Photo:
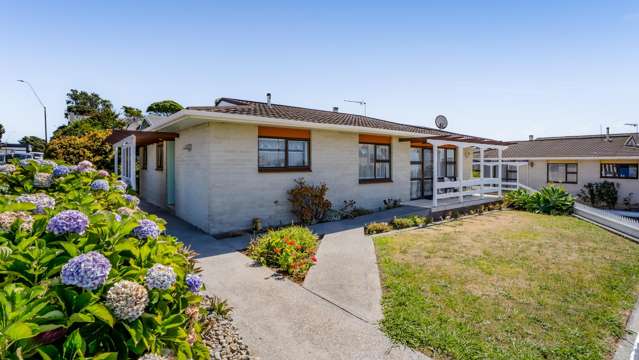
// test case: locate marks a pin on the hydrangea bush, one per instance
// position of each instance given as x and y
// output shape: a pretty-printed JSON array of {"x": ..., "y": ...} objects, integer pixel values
[{"x": 86, "y": 273}]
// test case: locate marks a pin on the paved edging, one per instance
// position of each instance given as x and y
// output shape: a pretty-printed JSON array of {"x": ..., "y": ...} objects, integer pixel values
[{"x": 627, "y": 347}]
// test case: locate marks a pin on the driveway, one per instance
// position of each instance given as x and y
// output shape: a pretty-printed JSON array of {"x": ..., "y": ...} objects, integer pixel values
[{"x": 278, "y": 319}]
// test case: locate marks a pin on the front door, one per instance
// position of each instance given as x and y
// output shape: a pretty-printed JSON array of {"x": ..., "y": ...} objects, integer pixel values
[{"x": 421, "y": 173}]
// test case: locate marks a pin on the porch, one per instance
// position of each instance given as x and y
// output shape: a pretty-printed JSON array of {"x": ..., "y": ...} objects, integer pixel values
[{"x": 452, "y": 171}]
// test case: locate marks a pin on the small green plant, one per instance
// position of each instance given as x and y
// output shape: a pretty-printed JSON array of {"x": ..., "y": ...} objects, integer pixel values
[
  {"x": 517, "y": 199},
  {"x": 256, "y": 225},
  {"x": 600, "y": 194},
  {"x": 392, "y": 203},
  {"x": 217, "y": 305},
  {"x": 409, "y": 221},
  {"x": 551, "y": 200},
  {"x": 290, "y": 249},
  {"x": 377, "y": 228},
  {"x": 308, "y": 202}
]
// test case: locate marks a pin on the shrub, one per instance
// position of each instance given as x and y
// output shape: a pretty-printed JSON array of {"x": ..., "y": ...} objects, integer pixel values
[
  {"x": 601, "y": 194},
  {"x": 377, "y": 228},
  {"x": 90, "y": 146},
  {"x": 517, "y": 199},
  {"x": 290, "y": 249},
  {"x": 551, "y": 200},
  {"x": 308, "y": 202},
  {"x": 392, "y": 203},
  {"x": 402, "y": 222},
  {"x": 72, "y": 281}
]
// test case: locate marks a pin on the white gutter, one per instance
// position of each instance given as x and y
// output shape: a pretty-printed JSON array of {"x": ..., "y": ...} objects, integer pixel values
[{"x": 261, "y": 120}]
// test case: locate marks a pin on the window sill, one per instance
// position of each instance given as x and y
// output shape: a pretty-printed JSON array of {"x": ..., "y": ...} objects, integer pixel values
[
  {"x": 618, "y": 178},
  {"x": 375, "y": 181},
  {"x": 284, "y": 169}
]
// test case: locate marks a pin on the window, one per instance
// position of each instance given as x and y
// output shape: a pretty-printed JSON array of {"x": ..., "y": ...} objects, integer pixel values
[
  {"x": 509, "y": 173},
  {"x": 159, "y": 156},
  {"x": 619, "y": 171},
  {"x": 143, "y": 157},
  {"x": 562, "y": 173},
  {"x": 446, "y": 160},
  {"x": 374, "y": 163},
  {"x": 283, "y": 154}
]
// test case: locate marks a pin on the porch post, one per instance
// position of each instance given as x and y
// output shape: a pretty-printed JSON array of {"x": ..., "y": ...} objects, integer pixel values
[
  {"x": 499, "y": 169},
  {"x": 481, "y": 172},
  {"x": 517, "y": 167},
  {"x": 116, "y": 151},
  {"x": 132, "y": 163},
  {"x": 435, "y": 165},
  {"x": 460, "y": 171}
]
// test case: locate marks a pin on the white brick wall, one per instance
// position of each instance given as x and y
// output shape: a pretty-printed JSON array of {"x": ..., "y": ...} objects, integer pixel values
[
  {"x": 238, "y": 192},
  {"x": 153, "y": 182}
]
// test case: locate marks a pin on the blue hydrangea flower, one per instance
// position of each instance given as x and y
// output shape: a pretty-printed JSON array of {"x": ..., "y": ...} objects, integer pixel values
[
  {"x": 61, "y": 170},
  {"x": 131, "y": 199},
  {"x": 42, "y": 201},
  {"x": 25, "y": 162},
  {"x": 68, "y": 221},
  {"x": 194, "y": 282},
  {"x": 100, "y": 185},
  {"x": 159, "y": 277},
  {"x": 145, "y": 229},
  {"x": 88, "y": 271}
]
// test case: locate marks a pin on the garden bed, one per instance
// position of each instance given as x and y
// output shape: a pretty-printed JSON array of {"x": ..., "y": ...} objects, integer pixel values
[{"x": 508, "y": 285}]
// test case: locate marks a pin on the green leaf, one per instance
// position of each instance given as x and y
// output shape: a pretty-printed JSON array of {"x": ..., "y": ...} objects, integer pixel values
[
  {"x": 80, "y": 318},
  {"x": 106, "y": 356},
  {"x": 74, "y": 345},
  {"x": 101, "y": 312},
  {"x": 52, "y": 315},
  {"x": 20, "y": 330},
  {"x": 71, "y": 249}
]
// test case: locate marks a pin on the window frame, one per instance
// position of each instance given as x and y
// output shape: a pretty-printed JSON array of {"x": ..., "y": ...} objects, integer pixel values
[
  {"x": 601, "y": 167},
  {"x": 286, "y": 167},
  {"x": 159, "y": 156},
  {"x": 446, "y": 163},
  {"x": 566, "y": 173},
  {"x": 375, "y": 179}
]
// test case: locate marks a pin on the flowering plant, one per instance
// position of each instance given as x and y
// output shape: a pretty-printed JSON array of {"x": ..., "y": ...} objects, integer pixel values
[
  {"x": 100, "y": 290},
  {"x": 290, "y": 249}
]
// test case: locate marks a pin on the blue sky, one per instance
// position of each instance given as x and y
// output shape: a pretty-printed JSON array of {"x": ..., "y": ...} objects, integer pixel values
[{"x": 500, "y": 69}]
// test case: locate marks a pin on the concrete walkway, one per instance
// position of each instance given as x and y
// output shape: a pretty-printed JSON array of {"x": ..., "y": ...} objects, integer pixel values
[{"x": 279, "y": 319}]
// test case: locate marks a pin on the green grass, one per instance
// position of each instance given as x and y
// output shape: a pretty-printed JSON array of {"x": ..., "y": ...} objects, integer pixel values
[{"x": 508, "y": 285}]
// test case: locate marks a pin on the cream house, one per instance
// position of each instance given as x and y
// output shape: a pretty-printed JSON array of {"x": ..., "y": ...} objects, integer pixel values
[
  {"x": 218, "y": 167},
  {"x": 573, "y": 161}
]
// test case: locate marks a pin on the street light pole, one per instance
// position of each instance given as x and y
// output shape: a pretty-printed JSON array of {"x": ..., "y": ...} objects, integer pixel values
[{"x": 46, "y": 137}]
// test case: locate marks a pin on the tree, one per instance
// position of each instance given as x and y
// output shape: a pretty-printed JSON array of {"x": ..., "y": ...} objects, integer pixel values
[
  {"x": 86, "y": 104},
  {"x": 97, "y": 112},
  {"x": 1, "y": 131},
  {"x": 90, "y": 146},
  {"x": 164, "y": 108},
  {"x": 132, "y": 114},
  {"x": 37, "y": 144}
]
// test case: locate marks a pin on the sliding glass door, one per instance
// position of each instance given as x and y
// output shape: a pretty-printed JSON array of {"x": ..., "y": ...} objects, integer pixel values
[{"x": 421, "y": 173}]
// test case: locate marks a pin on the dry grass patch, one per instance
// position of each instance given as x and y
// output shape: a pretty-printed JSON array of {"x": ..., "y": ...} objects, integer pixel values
[{"x": 509, "y": 285}]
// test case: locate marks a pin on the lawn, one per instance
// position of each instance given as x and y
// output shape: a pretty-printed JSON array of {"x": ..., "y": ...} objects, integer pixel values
[{"x": 508, "y": 285}]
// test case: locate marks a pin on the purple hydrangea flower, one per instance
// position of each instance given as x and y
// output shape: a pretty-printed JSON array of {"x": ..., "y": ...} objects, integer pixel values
[
  {"x": 40, "y": 200},
  {"x": 159, "y": 277},
  {"x": 7, "y": 168},
  {"x": 100, "y": 185},
  {"x": 131, "y": 199},
  {"x": 103, "y": 173},
  {"x": 85, "y": 164},
  {"x": 146, "y": 228},
  {"x": 25, "y": 162},
  {"x": 42, "y": 180},
  {"x": 60, "y": 170},
  {"x": 194, "y": 282},
  {"x": 68, "y": 221},
  {"x": 121, "y": 185},
  {"x": 88, "y": 271}
]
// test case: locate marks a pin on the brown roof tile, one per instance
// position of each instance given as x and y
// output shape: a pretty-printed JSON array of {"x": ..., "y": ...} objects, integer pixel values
[
  {"x": 256, "y": 108},
  {"x": 573, "y": 147}
]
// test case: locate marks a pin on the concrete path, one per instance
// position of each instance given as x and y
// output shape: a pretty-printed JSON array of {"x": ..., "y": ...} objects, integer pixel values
[{"x": 279, "y": 319}]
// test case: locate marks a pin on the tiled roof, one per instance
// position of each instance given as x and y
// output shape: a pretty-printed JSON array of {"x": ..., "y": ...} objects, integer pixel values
[
  {"x": 573, "y": 147},
  {"x": 256, "y": 108}
]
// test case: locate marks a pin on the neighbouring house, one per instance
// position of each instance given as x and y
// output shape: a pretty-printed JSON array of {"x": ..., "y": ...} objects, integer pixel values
[
  {"x": 219, "y": 167},
  {"x": 573, "y": 161}
]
